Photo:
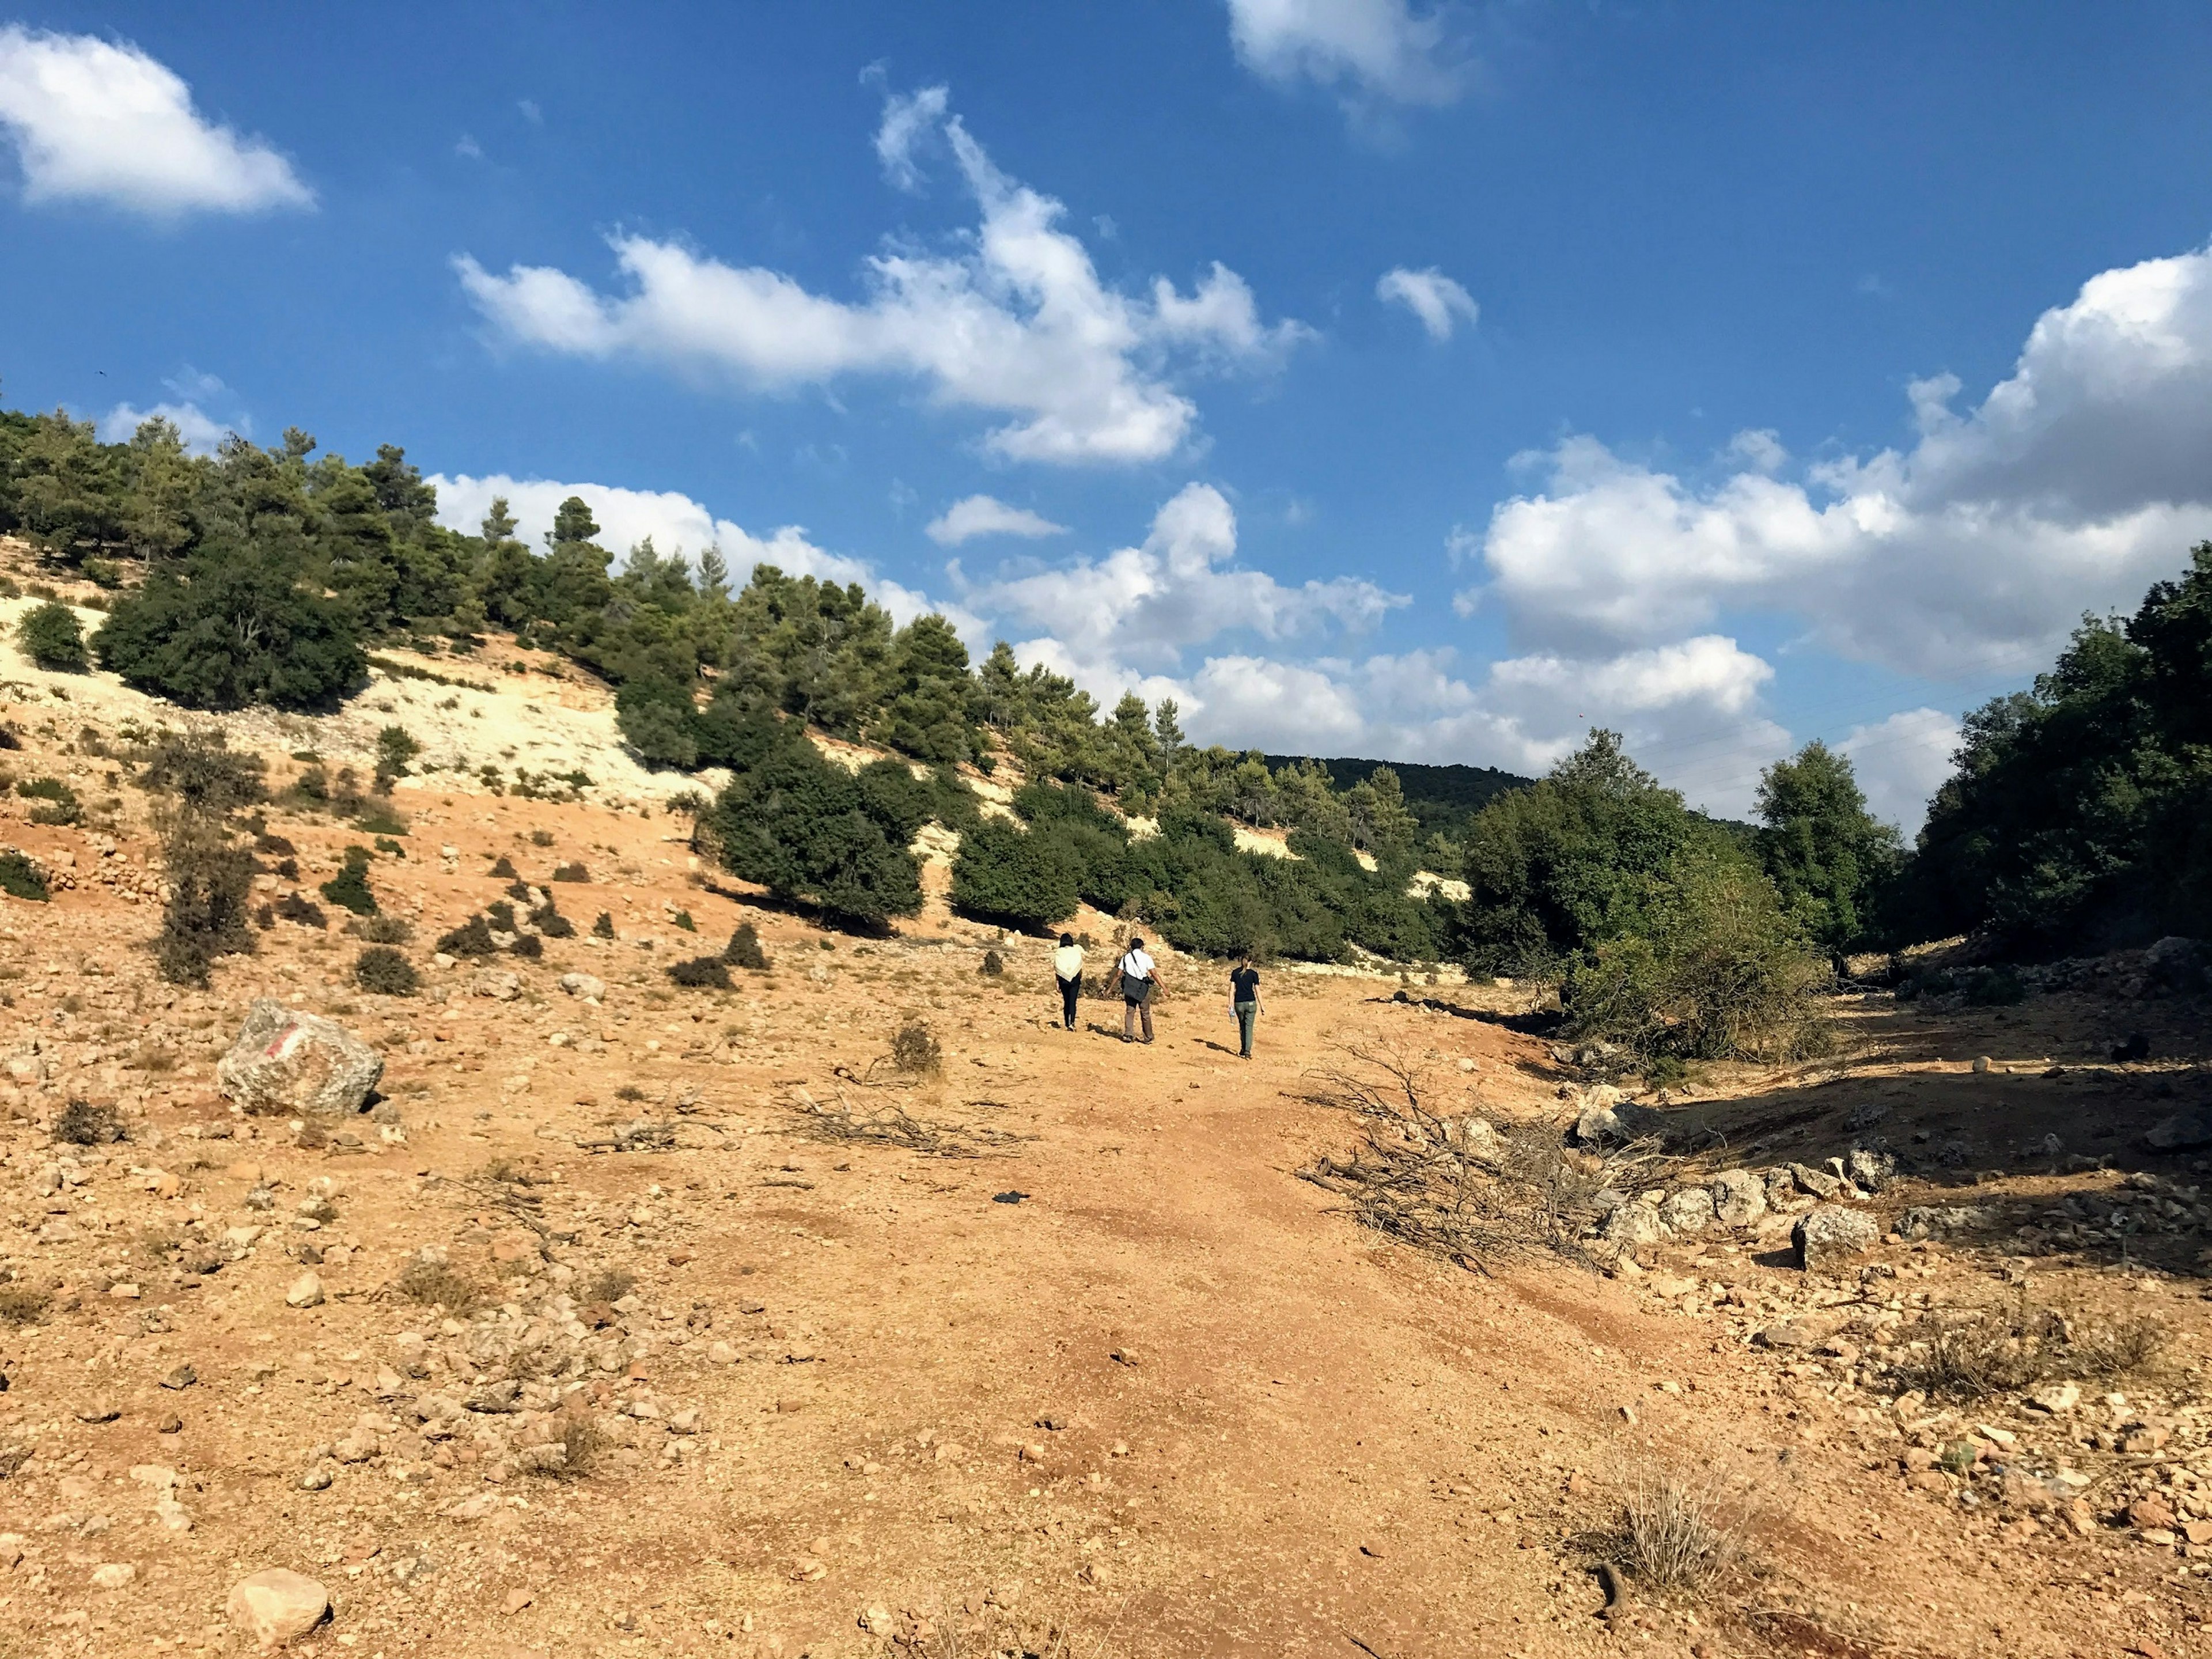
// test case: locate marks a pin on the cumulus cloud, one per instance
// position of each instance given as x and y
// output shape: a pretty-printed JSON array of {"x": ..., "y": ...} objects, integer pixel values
[
  {"x": 1431, "y": 295},
  {"x": 1901, "y": 761},
  {"x": 99, "y": 120},
  {"x": 986, "y": 515},
  {"x": 1016, "y": 322},
  {"x": 2077, "y": 480},
  {"x": 1141, "y": 606},
  {"x": 676, "y": 524},
  {"x": 1373, "y": 48},
  {"x": 200, "y": 432}
]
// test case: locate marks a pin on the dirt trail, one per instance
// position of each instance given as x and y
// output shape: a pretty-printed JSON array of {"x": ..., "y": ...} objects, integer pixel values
[{"x": 1171, "y": 1400}]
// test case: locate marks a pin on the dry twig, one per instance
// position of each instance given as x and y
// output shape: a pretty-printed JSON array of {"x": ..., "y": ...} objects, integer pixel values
[{"x": 892, "y": 1125}]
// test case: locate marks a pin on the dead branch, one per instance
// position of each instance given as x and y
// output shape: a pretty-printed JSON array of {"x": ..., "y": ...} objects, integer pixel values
[{"x": 892, "y": 1125}]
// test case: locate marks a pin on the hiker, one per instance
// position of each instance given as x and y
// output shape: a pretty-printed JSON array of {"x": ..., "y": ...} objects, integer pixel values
[
  {"x": 1244, "y": 1002},
  {"x": 1067, "y": 969},
  {"x": 1140, "y": 979}
]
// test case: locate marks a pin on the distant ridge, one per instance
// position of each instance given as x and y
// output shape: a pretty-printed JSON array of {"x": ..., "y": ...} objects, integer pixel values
[{"x": 1442, "y": 797}]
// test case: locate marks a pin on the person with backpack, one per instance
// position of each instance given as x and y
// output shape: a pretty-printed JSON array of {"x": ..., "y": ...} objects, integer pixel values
[
  {"x": 1067, "y": 969},
  {"x": 1244, "y": 1002},
  {"x": 1140, "y": 977}
]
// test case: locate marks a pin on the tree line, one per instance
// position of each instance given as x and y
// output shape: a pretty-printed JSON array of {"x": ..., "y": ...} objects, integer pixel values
[{"x": 2076, "y": 817}]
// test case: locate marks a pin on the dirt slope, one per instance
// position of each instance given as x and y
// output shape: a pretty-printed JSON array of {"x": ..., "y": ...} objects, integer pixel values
[{"x": 1167, "y": 1398}]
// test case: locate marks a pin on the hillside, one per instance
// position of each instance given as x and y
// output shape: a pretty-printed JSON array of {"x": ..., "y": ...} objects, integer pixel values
[{"x": 1443, "y": 797}]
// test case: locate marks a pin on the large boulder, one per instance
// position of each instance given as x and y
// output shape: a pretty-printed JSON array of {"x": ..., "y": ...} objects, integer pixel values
[
  {"x": 2175, "y": 962},
  {"x": 286, "y": 1063},
  {"x": 1871, "y": 1168},
  {"x": 1634, "y": 1222},
  {"x": 1828, "y": 1235},
  {"x": 1689, "y": 1211},
  {"x": 1739, "y": 1198},
  {"x": 2183, "y": 1132}
]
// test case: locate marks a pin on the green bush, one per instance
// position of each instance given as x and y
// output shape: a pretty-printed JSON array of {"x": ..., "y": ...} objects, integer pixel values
[
  {"x": 701, "y": 973},
  {"x": 58, "y": 803},
  {"x": 800, "y": 826},
  {"x": 349, "y": 889},
  {"x": 51, "y": 638},
  {"x": 207, "y": 912},
  {"x": 230, "y": 632},
  {"x": 743, "y": 949},
  {"x": 20, "y": 878},
  {"x": 1015, "y": 876},
  {"x": 382, "y": 970},
  {"x": 472, "y": 939},
  {"x": 571, "y": 873}
]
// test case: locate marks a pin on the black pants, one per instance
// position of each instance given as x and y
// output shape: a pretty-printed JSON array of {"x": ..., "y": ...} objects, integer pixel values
[{"x": 1069, "y": 990}]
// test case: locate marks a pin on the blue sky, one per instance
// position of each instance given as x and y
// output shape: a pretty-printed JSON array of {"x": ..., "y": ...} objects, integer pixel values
[{"x": 1516, "y": 367}]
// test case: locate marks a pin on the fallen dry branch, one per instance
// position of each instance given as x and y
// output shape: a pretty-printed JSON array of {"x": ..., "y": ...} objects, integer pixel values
[
  {"x": 1454, "y": 1184},
  {"x": 892, "y": 1125}
]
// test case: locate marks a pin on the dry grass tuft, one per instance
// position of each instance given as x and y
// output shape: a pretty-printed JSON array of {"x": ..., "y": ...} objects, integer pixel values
[
  {"x": 82, "y": 1123},
  {"x": 21, "y": 1305},
  {"x": 1679, "y": 1537},
  {"x": 915, "y": 1050},
  {"x": 1970, "y": 1354},
  {"x": 438, "y": 1284},
  {"x": 1455, "y": 1184}
]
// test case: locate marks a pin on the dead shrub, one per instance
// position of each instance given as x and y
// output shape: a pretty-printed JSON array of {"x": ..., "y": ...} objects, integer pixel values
[
  {"x": 1677, "y": 1537},
  {"x": 609, "y": 1284},
  {"x": 380, "y": 930},
  {"x": 82, "y": 1123},
  {"x": 582, "y": 1442},
  {"x": 1970, "y": 1354},
  {"x": 915, "y": 1050},
  {"x": 438, "y": 1284},
  {"x": 892, "y": 1126}
]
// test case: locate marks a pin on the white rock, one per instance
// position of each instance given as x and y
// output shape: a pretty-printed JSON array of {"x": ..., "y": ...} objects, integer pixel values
[
  {"x": 586, "y": 986},
  {"x": 2056, "y": 1398},
  {"x": 278, "y": 1605},
  {"x": 286, "y": 1062},
  {"x": 306, "y": 1292},
  {"x": 496, "y": 983},
  {"x": 114, "y": 1575},
  {"x": 1739, "y": 1198}
]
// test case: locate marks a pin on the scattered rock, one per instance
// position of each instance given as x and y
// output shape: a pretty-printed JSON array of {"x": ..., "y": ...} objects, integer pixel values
[
  {"x": 1828, "y": 1235},
  {"x": 305, "y": 1292},
  {"x": 286, "y": 1063},
  {"x": 278, "y": 1605},
  {"x": 1739, "y": 1198},
  {"x": 586, "y": 986},
  {"x": 114, "y": 1575},
  {"x": 1947, "y": 1220},
  {"x": 2151, "y": 1514},
  {"x": 2183, "y": 1132},
  {"x": 2056, "y": 1398},
  {"x": 182, "y": 1376},
  {"x": 1819, "y": 1182},
  {"x": 496, "y": 983},
  {"x": 1873, "y": 1169}
]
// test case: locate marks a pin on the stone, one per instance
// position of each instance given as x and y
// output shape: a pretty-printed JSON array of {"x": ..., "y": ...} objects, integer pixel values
[
  {"x": 290, "y": 1064},
  {"x": 875, "y": 1619},
  {"x": 182, "y": 1376},
  {"x": 2056, "y": 1398},
  {"x": 114, "y": 1575},
  {"x": 318, "y": 1479},
  {"x": 474, "y": 1507},
  {"x": 2151, "y": 1514},
  {"x": 1609, "y": 1118},
  {"x": 1806, "y": 1332},
  {"x": 2198, "y": 1532},
  {"x": 1739, "y": 1198},
  {"x": 1870, "y": 1168},
  {"x": 1480, "y": 1143},
  {"x": 2183, "y": 1132},
  {"x": 305, "y": 1292},
  {"x": 1632, "y": 1225},
  {"x": 497, "y": 983},
  {"x": 495, "y": 1397},
  {"x": 1827, "y": 1236},
  {"x": 278, "y": 1605},
  {"x": 1689, "y": 1211},
  {"x": 1947, "y": 1220},
  {"x": 2174, "y": 963},
  {"x": 1982, "y": 1064},
  {"x": 585, "y": 985},
  {"x": 1819, "y": 1182}
]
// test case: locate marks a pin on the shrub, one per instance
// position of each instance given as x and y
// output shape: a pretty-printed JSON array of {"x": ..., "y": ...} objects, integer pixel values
[
  {"x": 799, "y": 825},
  {"x": 571, "y": 873},
  {"x": 743, "y": 949},
  {"x": 382, "y": 970},
  {"x": 266, "y": 842},
  {"x": 1721, "y": 975},
  {"x": 395, "y": 747},
  {"x": 541, "y": 837},
  {"x": 51, "y": 638},
  {"x": 436, "y": 1283},
  {"x": 58, "y": 803},
  {"x": 527, "y": 944},
  {"x": 1020, "y": 877},
  {"x": 701, "y": 973},
  {"x": 683, "y": 918},
  {"x": 993, "y": 966},
  {"x": 503, "y": 867},
  {"x": 1677, "y": 1535},
  {"x": 82, "y": 1123},
  {"x": 604, "y": 925},
  {"x": 914, "y": 1048},
  {"x": 552, "y": 923},
  {"x": 20, "y": 878},
  {"x": 1976, "y": 1352},
  {"x": 230, "y": 630},
  {"x": 295, "y": 907},
  {"x": 1992, "y": 988},
  {"x": 211, "y": 887},
  {"x": 349, "y": 889},
  {"x": 472, "y": 939},
  {"x": 381, "y": 930},
  {"x": 21, "y": 1305}
]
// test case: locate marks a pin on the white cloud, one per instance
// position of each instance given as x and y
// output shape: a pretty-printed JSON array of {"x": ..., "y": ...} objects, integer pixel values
[
  {"x": 1372, "y": 48},
  {"x": 909, "y": 119},
  {"x": 1018, "y": 322},
  {"x": 1431, "y": 295},
  {"x": 97, "y": 120},
  {"x": 1901, "y": 761},
  {"x": 676, "y": 524},
  {"x": 1143, "y": 605},
  {"x": 199, "y": 432},
  {"x": 2078, "y": 480},
  {"x": 986, "y": 515}
]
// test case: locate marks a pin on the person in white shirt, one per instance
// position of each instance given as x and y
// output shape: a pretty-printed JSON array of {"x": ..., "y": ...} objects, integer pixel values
[
  {"x": 1140, "y": 977},
  {"x": 1067, "y": 969}
]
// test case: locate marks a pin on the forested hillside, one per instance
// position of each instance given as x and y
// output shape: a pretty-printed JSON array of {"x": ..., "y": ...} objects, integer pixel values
[{"x": 266, "y": 575}]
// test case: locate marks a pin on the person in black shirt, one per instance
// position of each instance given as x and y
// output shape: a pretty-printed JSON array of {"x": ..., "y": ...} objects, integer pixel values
[{"x": 1244, "y": 1002}]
